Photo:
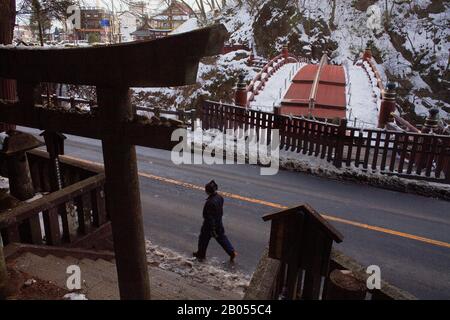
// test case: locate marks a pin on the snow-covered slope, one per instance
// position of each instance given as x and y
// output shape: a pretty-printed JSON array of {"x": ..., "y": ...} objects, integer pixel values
[
  {"x": 362, "y": 105},
  {"x": 216, "y": 80},
  {"x": 410, "y": 38}
]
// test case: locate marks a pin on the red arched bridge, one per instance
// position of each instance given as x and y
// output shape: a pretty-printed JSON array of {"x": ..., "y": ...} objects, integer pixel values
[{"x": 317, "y": 91}]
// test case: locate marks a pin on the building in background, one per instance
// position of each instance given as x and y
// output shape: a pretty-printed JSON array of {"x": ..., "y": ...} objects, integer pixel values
[
  {"x": 95, "y": 25},
  {"x": 128, "y": 22},
  {"x": 146, "y": 32},
  {"x": 23, "y": 33},
  {"x": 172, "y": 17}
]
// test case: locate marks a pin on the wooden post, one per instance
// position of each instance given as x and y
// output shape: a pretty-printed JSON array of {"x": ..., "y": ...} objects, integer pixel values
[
  {"x": 3, "y": 272},
  {"x": 340, "y": 143},
  {"x": 20, "y": 183},
  {"x": 251, "y": 58},
  {"x": 285, "y": 52},
  {"x": 343, "y": 285},
  {"x": 431, "y": 122},
  {"x": 7, "y": 22},
  {"x": 241, "y": 93},
  {"x": 367, "y": 56},
  {"x": 388, "y": 106},
  {"x": 15, "y": 146},
  {"x": 122, "y": 194},
  {"x": 193, "y": 118}
]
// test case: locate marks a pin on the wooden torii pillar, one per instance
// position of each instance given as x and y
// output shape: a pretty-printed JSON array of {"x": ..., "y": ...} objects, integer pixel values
[{"x": 171, "y": 61}]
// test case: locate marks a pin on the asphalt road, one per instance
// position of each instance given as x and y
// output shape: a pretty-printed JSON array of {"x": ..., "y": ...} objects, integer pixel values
[{"x": 408, "y": 236}]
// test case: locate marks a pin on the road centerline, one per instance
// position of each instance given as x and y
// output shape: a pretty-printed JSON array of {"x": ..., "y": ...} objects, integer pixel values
[{"x": 279, "y": 206}]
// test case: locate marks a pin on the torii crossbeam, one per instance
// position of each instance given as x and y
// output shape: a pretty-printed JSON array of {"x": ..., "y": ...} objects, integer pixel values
[{"x": 171, "y": 61}]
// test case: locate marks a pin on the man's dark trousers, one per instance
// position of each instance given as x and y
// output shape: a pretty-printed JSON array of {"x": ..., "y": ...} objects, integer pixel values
[{"x": 205, "y": 235}]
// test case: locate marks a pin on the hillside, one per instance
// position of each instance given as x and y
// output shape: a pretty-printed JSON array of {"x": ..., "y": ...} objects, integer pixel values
[
  {"x": 410, "y": 40},
  {"x": 410, "y": 44}
]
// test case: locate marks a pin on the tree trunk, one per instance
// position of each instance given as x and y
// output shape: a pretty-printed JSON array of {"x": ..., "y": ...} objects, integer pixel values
[
  {"x": 333, "y": 14},
  {"x": 7, "y": 23}
]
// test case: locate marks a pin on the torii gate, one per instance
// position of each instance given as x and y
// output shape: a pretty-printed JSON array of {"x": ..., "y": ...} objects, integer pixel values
[{"x": 171, "y": 61}]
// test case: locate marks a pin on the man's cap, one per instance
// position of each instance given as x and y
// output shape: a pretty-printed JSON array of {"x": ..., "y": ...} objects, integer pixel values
[{"x": 211, "y": 186}]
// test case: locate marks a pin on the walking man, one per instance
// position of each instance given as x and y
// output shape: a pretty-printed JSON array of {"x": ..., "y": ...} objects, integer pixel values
[{"x": 212, "y": 224}]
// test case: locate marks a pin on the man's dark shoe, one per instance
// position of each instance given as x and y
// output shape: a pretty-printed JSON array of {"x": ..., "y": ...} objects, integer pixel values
[
  {"x": 232, "y": 256},
  {"x": 199, "y": 258}
]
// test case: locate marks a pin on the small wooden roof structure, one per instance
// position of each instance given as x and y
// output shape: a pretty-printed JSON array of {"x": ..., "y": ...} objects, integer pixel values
[
  {"x": 302, "y": 239},
  {"x": 309, "y": 211},
  {"x": 295, "y": 231}
]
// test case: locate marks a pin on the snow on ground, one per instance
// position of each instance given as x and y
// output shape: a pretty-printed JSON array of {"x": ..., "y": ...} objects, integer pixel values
[
  {"x": 363, "y": 107},
  {"x": 4, "y": 183},
  {"x": 275, "y": 88},
  {"x": 299, "y": 162},
  {"x": 239, "y": 24},
  {"x": 212, "y": 272},
  {"x": 75, "y": 296}
]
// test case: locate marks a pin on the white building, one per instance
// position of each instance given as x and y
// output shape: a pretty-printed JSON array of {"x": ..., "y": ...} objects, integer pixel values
[
  {"x": 128, "y": 23},
  {"x": 23, "y": 33}
]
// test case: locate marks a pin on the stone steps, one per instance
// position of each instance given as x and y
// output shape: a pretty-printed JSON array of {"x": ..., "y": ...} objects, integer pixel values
[{"x": 99, "y": 279}]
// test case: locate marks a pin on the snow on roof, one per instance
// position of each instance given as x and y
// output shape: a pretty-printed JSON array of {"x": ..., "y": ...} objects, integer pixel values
[
  {"x": 145, "y": 32},
  {"x": 189, "y": 25}
]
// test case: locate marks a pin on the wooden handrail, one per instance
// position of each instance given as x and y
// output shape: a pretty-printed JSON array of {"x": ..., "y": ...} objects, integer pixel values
[
  {"x": 405, "y": 123},
  {"x": 316, "y": 82},
  {"x": 27, "y": 209}
]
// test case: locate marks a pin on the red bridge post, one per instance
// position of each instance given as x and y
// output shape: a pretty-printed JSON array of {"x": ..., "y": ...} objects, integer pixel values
[
  {"x": 240, "y": 98},
  {"x": 251, "y": 58},
  {"x": 368, "y": 52},
  {"x": 387, "y": 105},
  {"x": 285, "y": 51}
]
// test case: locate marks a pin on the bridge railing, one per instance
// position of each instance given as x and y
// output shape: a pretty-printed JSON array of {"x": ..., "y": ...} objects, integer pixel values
[
  {"x": 423, "y": 156},
  {"x": 258, "y": 83},
  {"x": 372, "y": 67},
  {"x": 263, "y": 76},
  {"x": 316, "y": 82}
]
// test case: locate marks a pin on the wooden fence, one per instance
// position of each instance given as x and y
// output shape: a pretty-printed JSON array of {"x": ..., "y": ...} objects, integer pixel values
[
  {"x": 59, "y": 217},
  {"x": 423, "y": 156}
]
